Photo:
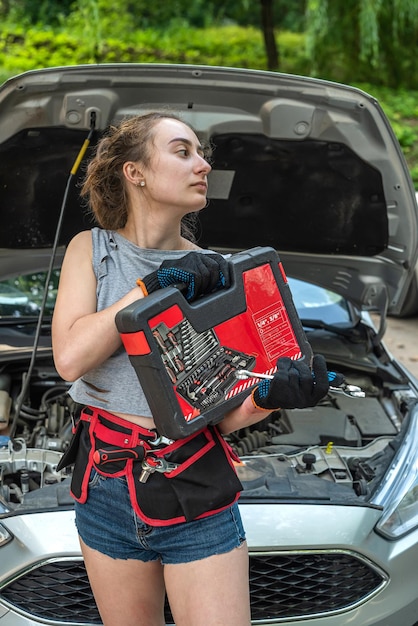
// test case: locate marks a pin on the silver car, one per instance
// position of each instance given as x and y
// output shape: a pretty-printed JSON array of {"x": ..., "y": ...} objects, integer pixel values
[{"x": 311, "y": 169}]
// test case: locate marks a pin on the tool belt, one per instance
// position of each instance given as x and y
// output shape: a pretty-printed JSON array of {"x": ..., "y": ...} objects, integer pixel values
[{"x": 169, "y": 481}]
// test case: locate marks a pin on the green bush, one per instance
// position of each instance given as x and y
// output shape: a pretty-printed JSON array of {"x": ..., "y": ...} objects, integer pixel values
[
  {"x": 231, "y": 46},
  {"x": 401, "y": 107}
]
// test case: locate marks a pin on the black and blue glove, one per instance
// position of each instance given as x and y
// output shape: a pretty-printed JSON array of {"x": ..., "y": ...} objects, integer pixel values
[
  {"x": 294, "y": 385},
  {"x": 201, "y": 273}
]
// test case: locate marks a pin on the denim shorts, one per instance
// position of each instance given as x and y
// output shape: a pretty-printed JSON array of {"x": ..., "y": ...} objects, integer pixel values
[{"x": 108, "y": 523}]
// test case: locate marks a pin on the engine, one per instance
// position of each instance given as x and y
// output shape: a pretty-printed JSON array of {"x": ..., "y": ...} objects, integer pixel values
[{"x": 336, "y": 450}]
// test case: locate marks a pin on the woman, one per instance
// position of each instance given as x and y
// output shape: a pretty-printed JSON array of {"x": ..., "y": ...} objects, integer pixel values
[{"x": 148, "y": 174}]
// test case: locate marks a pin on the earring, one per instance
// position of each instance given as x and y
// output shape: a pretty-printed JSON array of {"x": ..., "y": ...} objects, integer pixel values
[{"x": 140, "y": 183}]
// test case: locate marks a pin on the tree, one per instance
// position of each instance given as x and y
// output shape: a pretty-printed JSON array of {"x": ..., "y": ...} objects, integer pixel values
[
  {"x": 365, "y": 38},
  {"x": 267, "y": 24},
  {"x": 35, "y": 11}
]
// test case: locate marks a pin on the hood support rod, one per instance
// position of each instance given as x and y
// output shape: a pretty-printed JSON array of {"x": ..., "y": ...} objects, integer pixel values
[
  {"x": 382, "y": 310},
  {"x": 27, "y": 375}
]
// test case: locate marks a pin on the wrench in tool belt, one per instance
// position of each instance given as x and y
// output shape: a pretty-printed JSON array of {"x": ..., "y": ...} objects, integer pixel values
[{"x": 151, "y": 464}]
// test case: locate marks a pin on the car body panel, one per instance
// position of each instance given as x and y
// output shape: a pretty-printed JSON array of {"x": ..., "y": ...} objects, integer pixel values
[
  {"x": 270, "y": 529},
  {"x": 312, "y": 169}
]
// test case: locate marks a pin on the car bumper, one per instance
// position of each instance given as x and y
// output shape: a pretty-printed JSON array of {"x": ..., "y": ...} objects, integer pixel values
[{"x": 324, "y": 565}]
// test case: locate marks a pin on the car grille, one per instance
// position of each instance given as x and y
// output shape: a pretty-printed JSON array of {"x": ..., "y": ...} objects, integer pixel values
[{"x": 283, "y": 586}]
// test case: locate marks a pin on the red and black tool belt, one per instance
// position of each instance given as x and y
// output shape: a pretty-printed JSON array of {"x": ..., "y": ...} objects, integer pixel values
[{"x": 168, "y": 483}]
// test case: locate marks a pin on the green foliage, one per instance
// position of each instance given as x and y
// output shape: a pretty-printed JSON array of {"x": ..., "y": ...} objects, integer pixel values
[
  {"x": 31, "y": 12},
  {"x": 294, "y": 57},
  {"x": 401, "y": 107},
  {"x": 81, "y": 41},
  {"x": 289, "y": 14},
  {"x": 229, "y": 45},
  {"x": 21, "y": 52},
  {"x": 364, "y": 40}
]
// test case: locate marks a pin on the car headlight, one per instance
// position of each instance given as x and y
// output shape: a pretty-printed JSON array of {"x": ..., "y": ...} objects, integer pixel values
[
  {"x": 402, "y": 518},
  {"x": 399, "y": 496},
  {"x": 5, "y": 536}
]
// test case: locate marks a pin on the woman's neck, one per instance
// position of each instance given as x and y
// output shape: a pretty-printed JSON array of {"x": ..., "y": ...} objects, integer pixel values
[{"x": 156, "y": 241}]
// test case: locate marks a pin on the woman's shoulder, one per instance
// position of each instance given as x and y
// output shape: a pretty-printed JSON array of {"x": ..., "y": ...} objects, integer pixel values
[
  {"x": 191, "y": 246},
  {"x": 93, "y": 238},
  {"x": 81, "y": 240},
  {"x": 79, "y": 250}
]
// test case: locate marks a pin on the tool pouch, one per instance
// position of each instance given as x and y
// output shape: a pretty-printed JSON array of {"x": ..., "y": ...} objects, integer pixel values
[
  {"x": 101, "y": 431},
  {"x": 79, "y": 454},
  {"x": 92, "y": 432},
  {"x": 83, "y": 463},
  {"x": 204, "y": 482}
]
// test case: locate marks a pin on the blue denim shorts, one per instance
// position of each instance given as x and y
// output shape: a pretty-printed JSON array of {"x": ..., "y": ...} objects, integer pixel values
[{"x": 108, "y": 523}]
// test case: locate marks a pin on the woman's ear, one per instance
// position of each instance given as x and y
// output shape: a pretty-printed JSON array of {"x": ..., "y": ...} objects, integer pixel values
[{"x": 132, "y": 173}]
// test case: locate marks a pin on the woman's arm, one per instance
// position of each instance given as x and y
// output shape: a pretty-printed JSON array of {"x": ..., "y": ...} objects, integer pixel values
[
  {"x": 244, "y": 415},
  {"x": 82, "y": 338}
]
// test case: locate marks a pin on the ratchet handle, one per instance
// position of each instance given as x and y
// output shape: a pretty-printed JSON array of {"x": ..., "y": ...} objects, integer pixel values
[{"x": 335, "y": 379}]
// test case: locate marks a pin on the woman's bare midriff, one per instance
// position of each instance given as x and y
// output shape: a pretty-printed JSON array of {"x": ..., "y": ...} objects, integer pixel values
[{"x": 139, "y": 420}]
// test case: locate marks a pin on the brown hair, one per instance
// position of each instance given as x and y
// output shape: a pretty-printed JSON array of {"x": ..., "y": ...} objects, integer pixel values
[{"x": 104, "y": 184}]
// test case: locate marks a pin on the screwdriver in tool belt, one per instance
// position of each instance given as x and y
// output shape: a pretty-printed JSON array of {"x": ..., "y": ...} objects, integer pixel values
[
  {"x": 102, "y": 455},
  {"x": 348, "y": 390}
]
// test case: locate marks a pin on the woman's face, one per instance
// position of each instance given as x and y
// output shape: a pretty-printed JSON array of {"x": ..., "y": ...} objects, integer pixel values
[{"x": 177, "y": 173}]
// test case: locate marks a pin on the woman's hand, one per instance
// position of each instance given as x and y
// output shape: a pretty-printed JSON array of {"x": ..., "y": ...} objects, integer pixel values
[
  {"x": 201, "y": 273},
  {"x": 294, "y": 385}
]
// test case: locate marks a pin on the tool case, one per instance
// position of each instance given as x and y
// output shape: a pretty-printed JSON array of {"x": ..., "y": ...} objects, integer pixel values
[{"x": 186, "y": 355}]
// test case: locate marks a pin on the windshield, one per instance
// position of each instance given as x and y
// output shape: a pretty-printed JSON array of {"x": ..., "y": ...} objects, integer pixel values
[
  {"x": 315, "y": 303},
  {"x": 22, "y": 296}
]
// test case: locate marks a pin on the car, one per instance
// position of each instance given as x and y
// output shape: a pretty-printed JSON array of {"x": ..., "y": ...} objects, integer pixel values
[
  {"x": 311, "y": 170},
  {"x": 410, "y": 304},
  {"x": 15, "y": 302}
]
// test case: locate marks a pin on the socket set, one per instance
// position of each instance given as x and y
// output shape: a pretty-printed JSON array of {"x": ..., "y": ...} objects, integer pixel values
[
  {"x": 202, "y": 370},
  {"x": 187, "y": 355}
]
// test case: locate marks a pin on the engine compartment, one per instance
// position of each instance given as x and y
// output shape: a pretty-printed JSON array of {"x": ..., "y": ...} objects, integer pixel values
[{"x": 334, "y": 452}]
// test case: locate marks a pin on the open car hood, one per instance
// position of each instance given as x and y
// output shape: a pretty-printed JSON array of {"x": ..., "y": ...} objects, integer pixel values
[{"x": 308, "y": 167}]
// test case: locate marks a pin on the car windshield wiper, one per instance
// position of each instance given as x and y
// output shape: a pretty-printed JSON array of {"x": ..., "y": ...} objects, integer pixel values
[
  {"x": 344, "y": 331},
  {"x": 22, "y": 321}
]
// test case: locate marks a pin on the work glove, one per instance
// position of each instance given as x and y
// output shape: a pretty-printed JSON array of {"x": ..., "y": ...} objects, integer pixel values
[
  {"x": 295, "y": 385},
  {"x": 201, "y": 273}
]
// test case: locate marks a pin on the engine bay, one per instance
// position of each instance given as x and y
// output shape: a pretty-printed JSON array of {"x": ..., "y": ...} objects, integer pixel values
[{"x": 334, "y": 452}]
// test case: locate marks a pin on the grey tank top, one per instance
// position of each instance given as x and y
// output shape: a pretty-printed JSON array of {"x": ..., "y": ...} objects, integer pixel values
[{"x": 117, "y": 264}]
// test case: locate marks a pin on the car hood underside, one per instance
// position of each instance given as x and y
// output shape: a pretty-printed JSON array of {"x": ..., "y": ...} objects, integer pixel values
[{"x": 308, "y": 167}]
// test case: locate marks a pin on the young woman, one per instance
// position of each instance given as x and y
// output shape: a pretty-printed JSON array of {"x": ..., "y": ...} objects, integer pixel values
[{"x": 138, "y": 541}]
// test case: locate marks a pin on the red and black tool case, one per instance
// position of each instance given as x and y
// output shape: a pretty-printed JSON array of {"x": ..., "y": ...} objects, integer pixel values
[{"x": 186, "y": 355}]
